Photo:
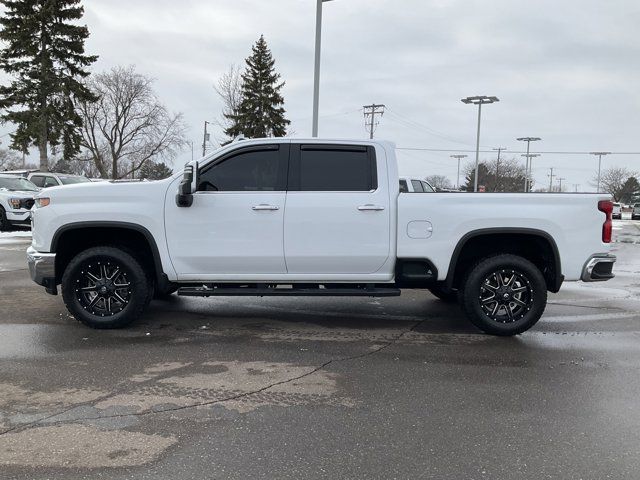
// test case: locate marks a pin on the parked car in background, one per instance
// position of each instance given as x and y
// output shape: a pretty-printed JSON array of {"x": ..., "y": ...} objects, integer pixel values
[
  {"x": 415, "y": 185},
  {"x": 635, "y": 213},
  {"x": 16, "y": 200},
  {"x": 50, "y": 179},
  {"x": 617, "y": 211}
]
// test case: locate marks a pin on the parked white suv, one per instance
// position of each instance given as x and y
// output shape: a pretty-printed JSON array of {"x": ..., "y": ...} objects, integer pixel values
[
  {"x": 16, "y": 200},
  {"x": 284, "y": 216}
]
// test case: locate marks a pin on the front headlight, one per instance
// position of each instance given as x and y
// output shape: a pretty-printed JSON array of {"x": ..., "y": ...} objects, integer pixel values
[
  {"x": 42, "y": 202},
  {"x": 15, "y": 203}
]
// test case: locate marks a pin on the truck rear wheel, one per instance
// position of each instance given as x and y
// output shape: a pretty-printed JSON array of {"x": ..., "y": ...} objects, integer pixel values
[
  {"x": 105, "y": 287},
  {"x": 504, "y": 295},
  {"x": 444, "y": 294}
]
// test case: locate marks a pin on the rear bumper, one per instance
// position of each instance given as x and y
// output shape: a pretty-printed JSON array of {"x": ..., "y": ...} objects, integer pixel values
[
  {"x": 42, "y": 268},
  {"x": 598, "y": 268}
]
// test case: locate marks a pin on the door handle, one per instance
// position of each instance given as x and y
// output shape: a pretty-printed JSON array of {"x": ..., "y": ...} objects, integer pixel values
[
  {"x": 370, "y": 206},
  {"x": 264, "y": 206}
]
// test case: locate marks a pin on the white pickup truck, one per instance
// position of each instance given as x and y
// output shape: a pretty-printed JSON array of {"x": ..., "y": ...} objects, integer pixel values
[{"x": 317, "y": 218}]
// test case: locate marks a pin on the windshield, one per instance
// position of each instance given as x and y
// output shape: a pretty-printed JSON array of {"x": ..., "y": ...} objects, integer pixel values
[
  {"x": 17, "y": 183},
  {"x": 70, "y": 180}
]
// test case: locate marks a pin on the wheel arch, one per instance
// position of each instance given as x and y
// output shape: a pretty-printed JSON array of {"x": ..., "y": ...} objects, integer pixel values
[
  {"x": 536, "y": 245},
  {"x": 72, "y": 238}
]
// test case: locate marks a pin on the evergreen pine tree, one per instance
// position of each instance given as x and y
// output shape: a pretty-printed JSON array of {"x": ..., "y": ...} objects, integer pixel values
[
  {"x": 261, "y": 112},
  {"x": 44, "y": 54}
]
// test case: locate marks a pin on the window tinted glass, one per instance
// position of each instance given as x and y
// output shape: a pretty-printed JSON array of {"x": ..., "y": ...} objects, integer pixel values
[
  {"x": 426, "y": 187},
  {"x": 329, "y": 169},
  {"x": 403, "y": 186},
  {"x": 417, "y": 186},
  {"x": 17, "y": 183},
  {"x": 254, "y": 170},
  {"x": 50, "y": 182},
  {"x": 38, "y": 180},
  {"x": 70, "y": 180}
]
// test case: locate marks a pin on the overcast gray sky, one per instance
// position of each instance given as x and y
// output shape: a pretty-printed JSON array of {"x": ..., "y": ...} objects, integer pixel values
[{"x": 565, "y": 70}]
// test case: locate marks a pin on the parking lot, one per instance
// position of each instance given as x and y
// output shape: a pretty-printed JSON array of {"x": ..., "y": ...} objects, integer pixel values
[{"x": 323, "y": 388}]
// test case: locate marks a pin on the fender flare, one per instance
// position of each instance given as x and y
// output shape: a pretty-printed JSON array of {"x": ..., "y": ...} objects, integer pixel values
[{"x": 556, "y": 281}]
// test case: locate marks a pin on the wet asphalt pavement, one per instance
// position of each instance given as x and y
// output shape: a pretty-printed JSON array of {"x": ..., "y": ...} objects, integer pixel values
[{"x": 236, "y": 388}]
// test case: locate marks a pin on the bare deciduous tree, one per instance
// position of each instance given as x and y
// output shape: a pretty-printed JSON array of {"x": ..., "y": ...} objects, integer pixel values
[
  {"x": 9, "y": 160},
  {"x": 612, "y": 180},
  {"x": 229, "y": 88},
  {"x": 439, "y": 182},
  {"x": 506, "y": 176},
  {"x": 128, "y": 125}
]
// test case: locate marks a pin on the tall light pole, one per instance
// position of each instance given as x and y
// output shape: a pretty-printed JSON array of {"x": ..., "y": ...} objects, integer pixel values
[
  {"x": 478, "y": 100},
  {"x": 459, "y": 157},
  {"x": 527, "y": 180},
  {"x": 600, "y": 155},
  {"x": 499, "y": 149},
  {"x": 316, "y": 71},
  {"x": 527, "y": 169}
]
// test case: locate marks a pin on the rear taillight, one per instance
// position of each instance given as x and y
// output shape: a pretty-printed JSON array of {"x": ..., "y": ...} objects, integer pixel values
[{"x": 606, "y": 206}]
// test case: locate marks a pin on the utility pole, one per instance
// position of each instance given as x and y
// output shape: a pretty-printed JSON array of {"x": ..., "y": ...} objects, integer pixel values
[
  {"x": 459, "y": 157},
  {"x": 560, "y": 179},
  {"x": 528, "y": 166},
  {"x": 575, "y": 187},
  {"x": 527, "y": 179},
  {"x": 599, "y": 155},
  {"x": 370, "y": 112},
  {"x": 205, "y": 139},
  {"x": 499, "y": 149},
  {"x": 551, "y": 175},
  {"x": 478, "y": 100}
]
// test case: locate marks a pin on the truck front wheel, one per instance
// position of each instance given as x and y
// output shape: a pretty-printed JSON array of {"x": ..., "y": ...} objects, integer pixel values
[
  {"x": 504, "y": 295},
  {"x": 105, "y": 287}
]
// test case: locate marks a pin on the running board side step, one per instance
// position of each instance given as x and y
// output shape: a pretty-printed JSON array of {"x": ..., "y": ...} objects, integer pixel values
[{"x": 204, "y": 291}]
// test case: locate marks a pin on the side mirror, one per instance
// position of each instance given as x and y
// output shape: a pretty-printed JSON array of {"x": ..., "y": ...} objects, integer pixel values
[{"x": 187, "y": 186}]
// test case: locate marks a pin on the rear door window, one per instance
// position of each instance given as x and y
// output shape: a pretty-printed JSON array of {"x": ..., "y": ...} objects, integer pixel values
[
  {"x": 417, "y": 186},
  {"x": 37, "y": 180},
  {"x": 426, "y": 187},
  {"x": 333, "y": 168}
]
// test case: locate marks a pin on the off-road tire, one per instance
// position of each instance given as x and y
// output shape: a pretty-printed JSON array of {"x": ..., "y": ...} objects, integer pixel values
[
  {"x": 76, "y": 280},
  {"x": 444, "y": 294},
  {"x": 4, "y": 223},
  {"x": 481, "y": 280}
]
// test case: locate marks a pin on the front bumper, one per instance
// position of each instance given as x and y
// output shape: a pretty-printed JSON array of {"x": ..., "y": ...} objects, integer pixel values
[
  {"x": 598, "y": 268},
  {"x": 42, "y": 268},
  {"x": 19, "y": 218}
]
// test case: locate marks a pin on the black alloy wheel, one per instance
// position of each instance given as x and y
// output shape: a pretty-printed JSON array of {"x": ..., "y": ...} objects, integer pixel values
[
  {"x": 103, "y": 287},
  {"x": 506, "y": 295}
]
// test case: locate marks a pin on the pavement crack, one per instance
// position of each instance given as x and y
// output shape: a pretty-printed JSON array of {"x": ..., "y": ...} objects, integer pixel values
[{"x": 177, "y": 408}]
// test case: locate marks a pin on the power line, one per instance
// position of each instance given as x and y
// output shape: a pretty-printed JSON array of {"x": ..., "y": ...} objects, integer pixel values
[
  {"x": 370, "y": 112},
  {"x": 448, "y": 150}
]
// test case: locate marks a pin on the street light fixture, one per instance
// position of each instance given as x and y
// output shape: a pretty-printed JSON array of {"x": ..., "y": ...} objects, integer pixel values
[
  {"x": 527, "y": 180},
  {"x": 316, "y": 72},
  {"x": 478, "y": 100},
  {"x": 600, "y": 155},
  {"x": 527, "y": 171},
  {"x": 459, "y": 157}
]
